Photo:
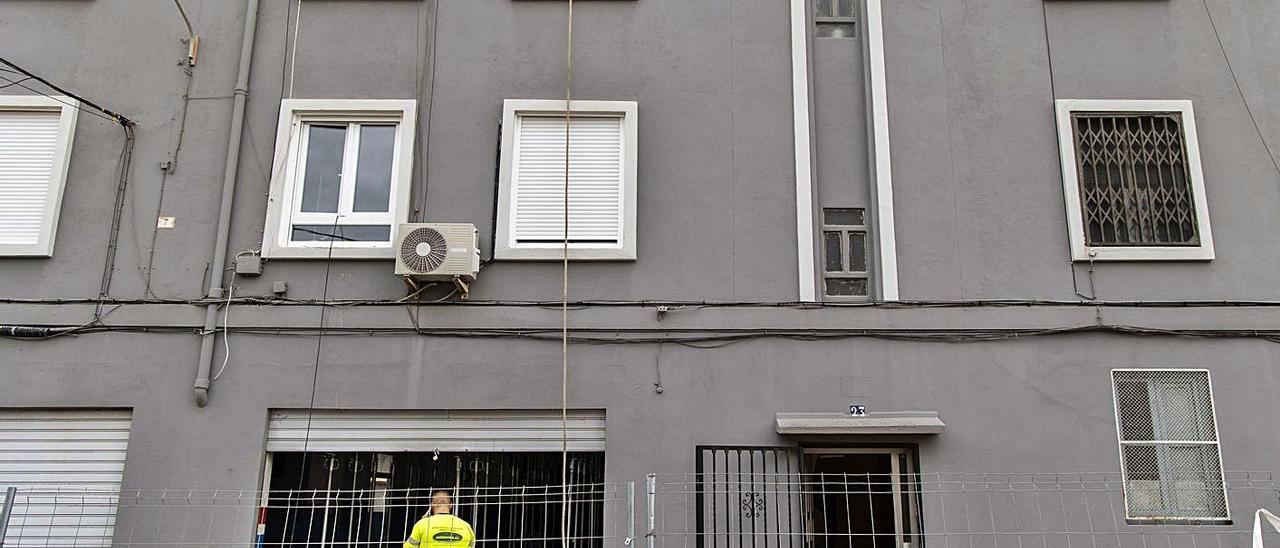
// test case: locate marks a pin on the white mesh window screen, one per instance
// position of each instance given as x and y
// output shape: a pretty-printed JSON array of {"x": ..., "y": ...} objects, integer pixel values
[{"x": 1169, "y": 445}]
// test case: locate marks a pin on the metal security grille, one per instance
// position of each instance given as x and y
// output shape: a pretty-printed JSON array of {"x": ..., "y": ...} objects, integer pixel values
[
  {"x": 747, "y": 495},
  {"x": 1169, "y": 445},
  {"x": 372, "y": 499},
  {"x": 1135, "y": 188}
]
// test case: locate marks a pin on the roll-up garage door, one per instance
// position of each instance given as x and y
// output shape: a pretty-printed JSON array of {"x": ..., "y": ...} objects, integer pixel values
[
  {"x": 414, "y": 430},
  {"x": 67, "y": 466}
]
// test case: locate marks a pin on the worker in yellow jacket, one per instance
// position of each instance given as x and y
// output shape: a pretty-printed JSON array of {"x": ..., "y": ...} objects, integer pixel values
[{"x": 440, "y": 528}]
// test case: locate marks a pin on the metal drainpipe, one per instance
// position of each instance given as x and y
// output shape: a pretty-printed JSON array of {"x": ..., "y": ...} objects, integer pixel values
[{"x": 218, "y": 265}]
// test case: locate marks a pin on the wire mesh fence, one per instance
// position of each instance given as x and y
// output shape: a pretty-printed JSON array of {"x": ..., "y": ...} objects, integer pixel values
[
  {"x": 732, "y": 508},
  {"x": 584, "y": 515},
  {"x": 727, "y": 508}
]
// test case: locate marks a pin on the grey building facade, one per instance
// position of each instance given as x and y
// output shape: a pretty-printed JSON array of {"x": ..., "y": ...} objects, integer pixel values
[{"x": 834, "y": 204}]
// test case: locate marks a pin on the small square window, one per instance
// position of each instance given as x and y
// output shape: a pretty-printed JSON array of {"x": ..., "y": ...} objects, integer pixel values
[
  {"x": 834, "y": 18},
  {"x": 845, "y": 270},
  {"x": 1169, "y": 450},
  {"x": 342, "y": 178},
  {"x": 1132, "y": 180},
  {"x": 601, "y": 163},
  {"x": 35, "y": 152}
]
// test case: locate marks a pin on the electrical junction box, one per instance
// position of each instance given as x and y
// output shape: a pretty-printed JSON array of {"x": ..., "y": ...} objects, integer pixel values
[{"x": 249, "y": 265}]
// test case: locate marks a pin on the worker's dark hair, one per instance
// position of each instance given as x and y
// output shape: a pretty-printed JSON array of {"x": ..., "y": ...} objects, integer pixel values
[{"x": 444, "y": 492}]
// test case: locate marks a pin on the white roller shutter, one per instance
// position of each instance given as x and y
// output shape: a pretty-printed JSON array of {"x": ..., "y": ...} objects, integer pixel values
[
  {"x": 390, "y": 431},
  {"x": 596, "y": 179},
  {"x": 67, "y": 466},
  {"x": 35, "y": 142}
]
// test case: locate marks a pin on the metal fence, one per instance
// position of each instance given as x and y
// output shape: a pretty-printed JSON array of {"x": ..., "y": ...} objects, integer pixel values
[
  {"x": 527, "y": 516},
  {"x": 732, "y": 508},
  {"x": 724, "y": 508}
]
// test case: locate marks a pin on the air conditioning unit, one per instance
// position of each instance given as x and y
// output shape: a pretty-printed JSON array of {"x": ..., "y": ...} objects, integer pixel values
[{"x": 437, "y": 252}]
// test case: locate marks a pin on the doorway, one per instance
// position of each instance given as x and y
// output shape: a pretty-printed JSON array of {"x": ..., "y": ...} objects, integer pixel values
[{"x": 856, "y": 498}]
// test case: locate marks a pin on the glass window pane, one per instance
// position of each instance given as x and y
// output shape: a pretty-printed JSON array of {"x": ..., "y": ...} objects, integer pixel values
[
  {"x": 837, "y": 216},
  {"x": 846, "y": 287},
  {"x": 858, "y": 251},
  {"x": 323, "y": 169},
  {"x": 844, "y": 8},
  {"x": 834, "y": 30},
  {"x": 823, "y": 8},
  {"x": 831, "y": 251},
  {"x": 373, "y": 170},
  {"x": 342, "y": 233}
]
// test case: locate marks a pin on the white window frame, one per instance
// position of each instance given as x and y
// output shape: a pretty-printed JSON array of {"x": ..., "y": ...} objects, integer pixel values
[
  {"x": 67, "y": 109},
  {"x": 1120, "y": 443},
  {"x": 505, "y": 245},
  {"x": 286, "y": 184},
  {"x": 1080, "y": 250}
]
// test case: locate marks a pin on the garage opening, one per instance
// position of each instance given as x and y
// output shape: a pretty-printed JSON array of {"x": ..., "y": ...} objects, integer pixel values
[
  {"x": 364, "y": 478},
  {"x": 370, "y": 499}
]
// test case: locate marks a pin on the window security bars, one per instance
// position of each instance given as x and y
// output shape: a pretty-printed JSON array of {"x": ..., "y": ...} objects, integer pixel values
[
  {"x": 834, "y": 18},
  {"x": 845, "y": 268},
  {"x": 1135, "y": 187},
  {"x": 1169, "y": 448}
]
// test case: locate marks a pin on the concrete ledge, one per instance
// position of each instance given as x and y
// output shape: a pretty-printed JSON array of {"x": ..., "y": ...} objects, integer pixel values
[{"x": 896, "y": 422}]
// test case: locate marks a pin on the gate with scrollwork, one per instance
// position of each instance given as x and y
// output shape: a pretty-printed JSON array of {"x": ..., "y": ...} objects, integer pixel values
[{"x": 749, "y": 497}]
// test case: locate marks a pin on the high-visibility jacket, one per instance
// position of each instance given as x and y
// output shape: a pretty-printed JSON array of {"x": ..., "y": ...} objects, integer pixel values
[{"x": 441, "y": 531}]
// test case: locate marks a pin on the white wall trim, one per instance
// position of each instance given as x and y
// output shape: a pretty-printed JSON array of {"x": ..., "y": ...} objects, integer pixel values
[
  {"x": 68, "y": 109},
  {"x": 1080, "y": 249},
  {"x": 881, "y": 168},
  {"x": 505, "y": 245},
  {"x": 276, "y": 242},
  {"x": 803, "y": 150}
]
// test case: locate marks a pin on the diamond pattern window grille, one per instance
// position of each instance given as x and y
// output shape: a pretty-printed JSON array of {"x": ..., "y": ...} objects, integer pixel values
[
  {"x": 1135, "y": 187},
  {"x": 1169, "y": 445}
]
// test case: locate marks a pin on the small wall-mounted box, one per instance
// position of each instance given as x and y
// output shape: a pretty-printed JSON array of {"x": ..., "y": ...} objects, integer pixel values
[{"x": 249, "y": 265}]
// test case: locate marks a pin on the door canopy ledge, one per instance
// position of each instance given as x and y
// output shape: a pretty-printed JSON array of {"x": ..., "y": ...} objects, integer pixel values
[{"x": 878, "y": 423}]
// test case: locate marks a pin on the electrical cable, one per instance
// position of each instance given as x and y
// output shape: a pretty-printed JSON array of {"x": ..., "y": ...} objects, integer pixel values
[
  {"x": 110, "y": 115},
  {"x": 293, "y": 49},
  {"x": 564, "y": 301},
  {"x": 315, "y": 371},
  {"x": 226, "y": 333},
  {"x": 1248, "y": 110}
]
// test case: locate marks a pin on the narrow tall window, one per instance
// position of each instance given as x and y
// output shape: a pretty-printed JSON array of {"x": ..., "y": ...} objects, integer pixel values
[
  {"x": 342, "y": 178},
  {"x": 1133, "y": 180},
  {"x": 35, "y": 152},
  {"x": 1169, "y": 446},
  {"x": 834, "y": 18},
  {"x": 845, "y": 268}
]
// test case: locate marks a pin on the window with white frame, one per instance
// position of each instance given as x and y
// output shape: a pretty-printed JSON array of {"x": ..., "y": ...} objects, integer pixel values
[
  {"x": 845, "y": 268},
  {"x": 834, "y": 18},
  {"x": 35, "y": 151},
  {"x": 340, "y": 182},
  {"x": 1132, "y": 180},
  {"x": 1169, "y": 449},
  {"x": 600, "y": 138}
]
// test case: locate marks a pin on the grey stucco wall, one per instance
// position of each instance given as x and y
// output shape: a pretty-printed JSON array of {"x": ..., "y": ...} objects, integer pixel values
[
  {"x": 977, "y": 186},
  {"x": 977, "y": 194}
]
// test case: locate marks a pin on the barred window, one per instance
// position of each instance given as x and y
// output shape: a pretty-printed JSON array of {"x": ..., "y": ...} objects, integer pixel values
[
  {"x": 1169, "y": 446},
  {"x": 1133, "y": 183},
  {"x": 844, "y": 253}
]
